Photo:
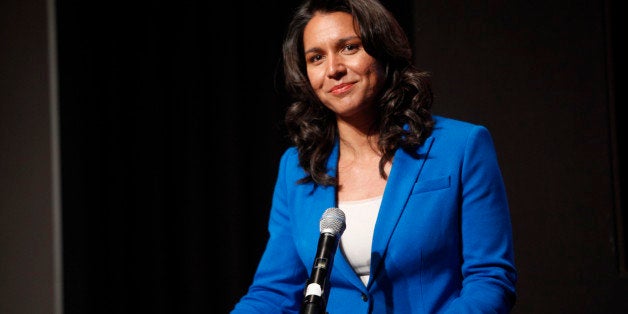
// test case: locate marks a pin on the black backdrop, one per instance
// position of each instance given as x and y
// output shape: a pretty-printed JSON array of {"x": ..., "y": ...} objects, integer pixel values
[{"x": 171, "y": 130}]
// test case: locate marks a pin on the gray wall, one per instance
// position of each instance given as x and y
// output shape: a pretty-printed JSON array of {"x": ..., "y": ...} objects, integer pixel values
[{"x": 29, "y": 211}]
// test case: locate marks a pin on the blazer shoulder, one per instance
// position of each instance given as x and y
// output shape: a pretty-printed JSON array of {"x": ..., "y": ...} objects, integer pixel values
[
  {"x": 450, "y": 127},
  {"x": 452, "y": 123},
  {"x": 452, "y": 135},
  {"x": 290, "y": 154},
  {"x": 289, "y": 164}
]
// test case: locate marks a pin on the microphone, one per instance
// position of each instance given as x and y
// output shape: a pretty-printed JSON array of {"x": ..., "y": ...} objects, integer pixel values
[{"x": 316, "y": 292}]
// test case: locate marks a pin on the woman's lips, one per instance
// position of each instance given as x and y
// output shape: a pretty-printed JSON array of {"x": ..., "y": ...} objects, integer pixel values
[{"x": 341, "y": 88}]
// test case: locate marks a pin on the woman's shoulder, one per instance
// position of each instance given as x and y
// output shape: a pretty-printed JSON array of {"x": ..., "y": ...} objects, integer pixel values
[
  {"x": 459, "y": 132},
  {"x": 290, "y": 153},
  {"x": 289, "y": 166},
  {"x": 290, "y": 158},
  {"x": 444, "y": 121},
  {"x": 443, "y": 124}
]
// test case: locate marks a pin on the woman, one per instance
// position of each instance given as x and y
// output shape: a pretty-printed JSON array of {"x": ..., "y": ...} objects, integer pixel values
[{"x": 427, "y": 220}]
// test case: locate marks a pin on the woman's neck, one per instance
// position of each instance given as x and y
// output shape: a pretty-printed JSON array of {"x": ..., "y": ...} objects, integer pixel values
[{"x": 358, "y": 138}]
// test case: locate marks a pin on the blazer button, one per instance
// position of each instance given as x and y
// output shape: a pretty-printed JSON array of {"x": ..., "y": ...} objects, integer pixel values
[{"x": 364, "y": 297}]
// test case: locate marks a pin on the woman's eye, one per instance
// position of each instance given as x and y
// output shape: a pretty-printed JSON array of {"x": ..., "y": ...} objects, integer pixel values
[
  {"x": 315, "y": 58},
  {"x": 351, "y": 48}
]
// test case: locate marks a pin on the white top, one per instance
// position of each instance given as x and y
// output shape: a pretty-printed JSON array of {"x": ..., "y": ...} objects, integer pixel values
[{"x": 356, "y": 240}]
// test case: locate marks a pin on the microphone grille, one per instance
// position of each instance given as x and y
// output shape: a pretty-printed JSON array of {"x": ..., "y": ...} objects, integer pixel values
[{"x": 333, "y": 221}]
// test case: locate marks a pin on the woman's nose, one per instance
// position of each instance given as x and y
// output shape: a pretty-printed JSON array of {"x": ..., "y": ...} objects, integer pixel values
[{"x": 335, "y": 67}]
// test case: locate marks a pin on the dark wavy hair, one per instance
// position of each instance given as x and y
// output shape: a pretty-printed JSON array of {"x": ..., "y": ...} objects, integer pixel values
[{"x": 404, "y": 108}]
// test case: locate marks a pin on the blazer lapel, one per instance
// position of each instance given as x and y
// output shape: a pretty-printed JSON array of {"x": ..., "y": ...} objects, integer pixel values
[
  {"x": 403, "y": 175},
  {"x": 327, "y": 195}
]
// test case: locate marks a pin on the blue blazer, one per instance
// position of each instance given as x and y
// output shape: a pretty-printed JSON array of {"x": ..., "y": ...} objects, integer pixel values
[{"x": 442, "y": 241}]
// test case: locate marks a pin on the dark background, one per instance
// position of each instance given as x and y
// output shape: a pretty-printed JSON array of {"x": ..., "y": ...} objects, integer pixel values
[
  {"x": 170, "y": 130},
  {"x": 168, "y": 121}
]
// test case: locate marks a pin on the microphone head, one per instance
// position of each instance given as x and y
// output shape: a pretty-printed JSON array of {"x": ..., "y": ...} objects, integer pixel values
[{"x": 333, "y": 221}]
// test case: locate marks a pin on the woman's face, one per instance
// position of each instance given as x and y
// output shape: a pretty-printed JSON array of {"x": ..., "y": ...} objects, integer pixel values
[{"x": 346, "y": 79}]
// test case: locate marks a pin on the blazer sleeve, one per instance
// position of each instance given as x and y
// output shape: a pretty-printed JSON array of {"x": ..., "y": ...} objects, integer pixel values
[
  {"x": 488, "y": 269},
  {"x": 280, "y": 276}
]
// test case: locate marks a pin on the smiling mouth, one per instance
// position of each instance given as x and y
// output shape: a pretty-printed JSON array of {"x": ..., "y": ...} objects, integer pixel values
[{"x": 341, "y": 88}]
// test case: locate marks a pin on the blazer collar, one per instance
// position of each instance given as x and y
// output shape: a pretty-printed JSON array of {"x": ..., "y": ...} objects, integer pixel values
[{"x": 404, "y": 172}]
